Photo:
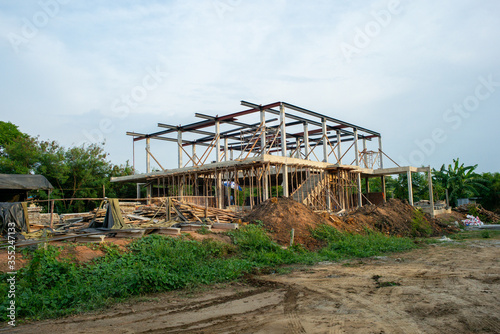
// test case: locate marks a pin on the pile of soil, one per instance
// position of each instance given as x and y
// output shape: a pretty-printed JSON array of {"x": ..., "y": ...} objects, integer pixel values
[
  {"x": 394, "y": 217},
  {"x": 280, "y": 215},
  {"x": 485, "y": 215}
]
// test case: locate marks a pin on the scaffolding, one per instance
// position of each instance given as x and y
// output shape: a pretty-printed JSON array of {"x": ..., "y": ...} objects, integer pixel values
[{"x": 299, "y": 154}]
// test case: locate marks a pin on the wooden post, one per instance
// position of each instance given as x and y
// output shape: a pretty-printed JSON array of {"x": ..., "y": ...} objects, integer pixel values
[
  {"x": 51, "y": 213},
  {"x": 169, "y": 208}
]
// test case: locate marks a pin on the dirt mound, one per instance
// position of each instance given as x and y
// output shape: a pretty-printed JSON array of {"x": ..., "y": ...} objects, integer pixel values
[
  {"x": 397, "y": 218},
  {"x": 280, "y": 215},
  {"x": 477, "y": 210},
  {"x": 394, "y": 218}
]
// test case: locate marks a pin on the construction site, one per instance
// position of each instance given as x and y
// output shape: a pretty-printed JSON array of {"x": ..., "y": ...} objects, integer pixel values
[{"x": 241, "y": 159}]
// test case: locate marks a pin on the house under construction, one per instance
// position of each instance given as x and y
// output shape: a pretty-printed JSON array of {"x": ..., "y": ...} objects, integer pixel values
[{"x": 241, "y": 159}]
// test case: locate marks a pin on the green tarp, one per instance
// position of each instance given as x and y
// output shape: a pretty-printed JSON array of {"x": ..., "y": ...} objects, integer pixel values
[
  {"x": 13, "y": 214},
  {"x": 113, "y": 219}
]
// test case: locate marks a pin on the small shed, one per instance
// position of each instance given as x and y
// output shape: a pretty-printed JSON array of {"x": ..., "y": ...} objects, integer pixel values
[{"x": 15, "y": 187}]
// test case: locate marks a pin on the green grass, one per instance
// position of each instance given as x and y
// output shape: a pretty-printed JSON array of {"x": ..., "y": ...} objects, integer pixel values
[
  {"x": 483, "y": 234},
  {"x": 52, "y": 287}
]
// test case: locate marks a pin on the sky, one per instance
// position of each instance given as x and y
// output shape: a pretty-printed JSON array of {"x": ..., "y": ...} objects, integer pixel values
[{"x": 425, "y": 74}]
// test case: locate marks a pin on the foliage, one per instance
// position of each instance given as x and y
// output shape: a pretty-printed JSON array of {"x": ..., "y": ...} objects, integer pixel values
[
  {"x": 490, "y": 198},
  {"x": 460, "y": 181},
  {"x": 345, "y": 245},
  {"x": 75, "y": 172},
  {"x": 420, "y": 227},
  {"x": 51, "y": 287}
]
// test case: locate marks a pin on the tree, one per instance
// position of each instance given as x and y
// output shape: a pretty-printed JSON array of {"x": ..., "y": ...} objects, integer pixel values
[
  {"x": 76, "y": 172},
  {"x": 490, "y": 199},
  {"x": 460, "y": 181},
  {"x": 19, "y": 153}
]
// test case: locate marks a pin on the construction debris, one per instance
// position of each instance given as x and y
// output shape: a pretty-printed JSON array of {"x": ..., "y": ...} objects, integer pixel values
[{"x": 166, "y": 216}]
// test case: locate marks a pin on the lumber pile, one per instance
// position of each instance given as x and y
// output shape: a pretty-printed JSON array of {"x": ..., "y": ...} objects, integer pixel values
[{"x": 478, "y": 210}]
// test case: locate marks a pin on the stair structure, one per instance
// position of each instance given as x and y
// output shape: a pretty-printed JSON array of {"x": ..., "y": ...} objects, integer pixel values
[{"x": 310, "y": 190}]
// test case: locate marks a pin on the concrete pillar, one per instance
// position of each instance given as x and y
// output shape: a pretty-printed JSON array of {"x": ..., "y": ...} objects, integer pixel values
[
  {"x": 283, "y": 150},
  {"x": 283, "y": 130},
  {"x": 380, "y": 151},
  {"x": 339, "y": 149},
  {"x": 263, "y": 131},
  {"x": 194, "y": 153},
  {"x": 306, "y": 140},
  {"x": 265, "y": 184},
  {"x": 148, "y": 161},
  {"x": 297, "y": 145},
  {"x": 231, "y": 154},
  {"x": 226, "y": 152},
  {"x": 431, "y": 195},
  {"x": 360, "y": 194},
  {"x": 356, "y": 150},
  {"x": 220, "y": 191},
  {"x": 410, "y": 188},
  {"x": 179, "y": 148},
  {"x": 217, "y": 143},
  {"x": 364, "y": 153},
  {"x": 325, "y": 141},
  {"x": 383, "y": 187}
]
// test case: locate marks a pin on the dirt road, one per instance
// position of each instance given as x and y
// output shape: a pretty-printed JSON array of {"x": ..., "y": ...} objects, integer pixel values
[{"x": 438, "y": 289}]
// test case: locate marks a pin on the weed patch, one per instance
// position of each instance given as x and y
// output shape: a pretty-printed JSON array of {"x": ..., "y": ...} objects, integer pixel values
[{"x": 50, "y": 286}]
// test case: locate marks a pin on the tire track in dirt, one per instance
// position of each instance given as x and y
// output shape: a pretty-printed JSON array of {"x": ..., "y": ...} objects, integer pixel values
[{"x": 290, "y": 310}]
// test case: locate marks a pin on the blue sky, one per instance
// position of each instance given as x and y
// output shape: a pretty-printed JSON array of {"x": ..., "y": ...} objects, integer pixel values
[{"x": 425, "y": 74}]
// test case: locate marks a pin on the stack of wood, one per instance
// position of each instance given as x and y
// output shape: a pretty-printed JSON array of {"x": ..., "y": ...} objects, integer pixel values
[
  {"x": 472, "y": 208},
  {"x": 193, "y": 212}
]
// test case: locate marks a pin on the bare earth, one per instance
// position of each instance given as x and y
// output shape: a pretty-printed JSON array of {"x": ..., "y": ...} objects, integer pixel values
[{"x": 453, "y": 288}]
